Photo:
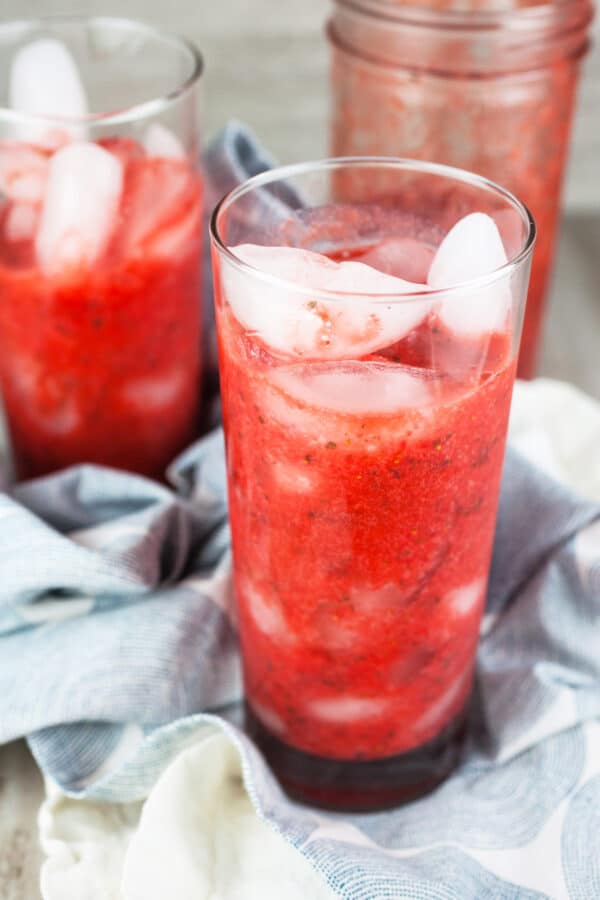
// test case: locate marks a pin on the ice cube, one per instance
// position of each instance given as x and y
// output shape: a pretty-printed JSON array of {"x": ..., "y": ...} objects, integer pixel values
[
  {"x": 267, "y": 614},
  {"x": 294, "y": 478},
  {"x": 463, "y": 601},
  {"x": 162, "y": 196},
  {"x": 342, "y": 710},
  {"x": 510, "y": 226},
  {"x": 284, "y": 409},
  {"x": 162, "y": 142},
  {"x": 378, "y": 601},
  {"x": 304, "y": 323},
  {"x": 44, "y": 81},
  {"x": 80, "y": 208},
  {"x": 403, "y": 257},
  {"x": 268, "y": 717},
  {"x": 23, "y": 172},
  {"x": 180, "y": 237},
  {"x": 21, "y": 222},
  {"x": 471, "y": 249},
  {"x": 440, "y": 709},
  {"x": 155, "y": 392},
  {"x": 359, "y": 388}
]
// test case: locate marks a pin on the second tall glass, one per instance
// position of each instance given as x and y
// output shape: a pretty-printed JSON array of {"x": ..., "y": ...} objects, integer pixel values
[
  {"x": 365, "y": 417},
  {"x": 100, "y": 244}
]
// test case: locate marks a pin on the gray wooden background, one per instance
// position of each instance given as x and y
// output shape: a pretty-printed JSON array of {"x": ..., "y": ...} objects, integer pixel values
[{"x": 266, "y": 63}]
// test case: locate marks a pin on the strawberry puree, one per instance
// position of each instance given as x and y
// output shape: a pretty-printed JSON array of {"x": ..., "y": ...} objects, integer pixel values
[
  {"x": 101, "y": 362},
  {"x": 363, "y": 497}
]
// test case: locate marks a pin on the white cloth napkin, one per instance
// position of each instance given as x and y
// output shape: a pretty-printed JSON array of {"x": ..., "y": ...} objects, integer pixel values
[{"x": 198, "y": 836}]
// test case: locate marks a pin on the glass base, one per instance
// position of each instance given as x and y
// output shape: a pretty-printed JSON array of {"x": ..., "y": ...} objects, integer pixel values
[{"x": 360, "y": 786}]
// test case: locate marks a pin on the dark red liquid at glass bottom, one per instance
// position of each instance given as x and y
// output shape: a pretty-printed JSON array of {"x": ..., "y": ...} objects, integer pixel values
[{"x": 365, "y": 786}]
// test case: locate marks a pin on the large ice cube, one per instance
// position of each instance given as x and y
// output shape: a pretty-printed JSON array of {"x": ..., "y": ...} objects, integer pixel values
[
  {"x": 162, "y": 201},
  {"x": 21, "y": 222},
  {"x": 178, "y": 238},
  {"x": 267, "y": 614},
  {"x": 359, "y": 388},
  {"x": 23, "y": 172},
  {"x": 294, "y": 478},
  {"x": 378, "y": 601},
  {"x": 510, "y": 226},
  {"x": 403, "y": 257},
  {"x": 461, "y": 602},
  {"x": 303, "y": 322},
  {"x": 44, "y": 81},
  {"x": 471, "y": 249},
  {"x": 80, "y": 206},
  {"x": 438, "y": 711},
  {"x": 156, "y": 392},
  {"x": 161, "y": 141},
  {"x": 268, "y": 717},
  {"x": 348, "y": 709}
]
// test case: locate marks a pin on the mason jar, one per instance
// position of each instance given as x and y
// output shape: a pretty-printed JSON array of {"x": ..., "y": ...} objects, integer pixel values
[{"x": 489, "y": 89}]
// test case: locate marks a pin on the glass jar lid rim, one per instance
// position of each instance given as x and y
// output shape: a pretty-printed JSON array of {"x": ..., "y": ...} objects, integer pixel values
[{"x": 537, "y": 16}]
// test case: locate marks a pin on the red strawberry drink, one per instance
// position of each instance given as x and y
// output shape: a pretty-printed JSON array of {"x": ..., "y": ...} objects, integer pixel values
[
  {"x": 100, "y": 263},
  {"x": 367, "y": 354}
]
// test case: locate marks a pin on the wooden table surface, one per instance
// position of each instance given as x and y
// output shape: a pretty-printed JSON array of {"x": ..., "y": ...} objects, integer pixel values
[
  {"x": 266, "y": 64},
  {"x": 21, "y": 792}
]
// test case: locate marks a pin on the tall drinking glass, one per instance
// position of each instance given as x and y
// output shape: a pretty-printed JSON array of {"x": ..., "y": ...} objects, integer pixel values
[
  {"x": 365, "y": 419},
  {"x": 100, "y": 243},
  {"x": 488, "y": 86}
]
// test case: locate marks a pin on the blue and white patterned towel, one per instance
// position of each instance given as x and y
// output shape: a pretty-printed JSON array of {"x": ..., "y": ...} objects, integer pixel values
[{"x": 117, "y": 646}]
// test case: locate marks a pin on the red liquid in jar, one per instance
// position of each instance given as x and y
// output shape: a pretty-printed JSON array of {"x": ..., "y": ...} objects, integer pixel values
[
  {"x": 362, "y": 536},
  {"x": 101, "y": 363},
  {"x": 512, "y": 126}
]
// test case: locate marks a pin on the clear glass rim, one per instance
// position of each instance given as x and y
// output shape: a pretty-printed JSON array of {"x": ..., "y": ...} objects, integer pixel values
[
  {"x": 381, "y": 162},
  {"x": 526, "y": 19},
  {"x": 138, "y": 111}
]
